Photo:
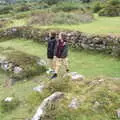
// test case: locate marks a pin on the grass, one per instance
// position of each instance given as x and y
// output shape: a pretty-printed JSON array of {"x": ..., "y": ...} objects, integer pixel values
[
  {"x": 92, "y": 65},
  {"x": 87, "y": 63},
  {"x": 101, "y": 25}
]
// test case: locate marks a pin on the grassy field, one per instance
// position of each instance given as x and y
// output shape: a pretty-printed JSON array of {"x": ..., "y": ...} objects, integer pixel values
[
  {"x": 92, "y": 65},
  {"x": 101, "y": 25},
  {"x": 87, "y": 63}
]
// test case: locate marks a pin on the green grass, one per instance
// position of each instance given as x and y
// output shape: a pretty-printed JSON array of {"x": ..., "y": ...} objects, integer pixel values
[
  {"x": 101, "y": 25},
  {"x": 90, "y": 64}
]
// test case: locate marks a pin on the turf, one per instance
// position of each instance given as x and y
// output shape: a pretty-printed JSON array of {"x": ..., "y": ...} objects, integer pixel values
[
  {"x": 92, "y": 65},
  {"x": 101, "y": 25},
  {"x": 88, "y": 63}
]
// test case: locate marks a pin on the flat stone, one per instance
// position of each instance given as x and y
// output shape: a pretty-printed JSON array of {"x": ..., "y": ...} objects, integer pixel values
[
  {"x": 41, "y": 111},
  {"x": 17, "y": 70},
  {"x": 118, "y": 113},
  {"x": 74, "y": 104},
  {"x": 8, "y": 99},
  {"x": 76, "y": 76},
  {"x": 39, "y": 88}
]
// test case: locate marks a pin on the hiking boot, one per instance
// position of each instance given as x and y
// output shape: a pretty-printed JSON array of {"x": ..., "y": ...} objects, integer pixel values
[
  {"x": 67, "y": 70},
  {"x": 54, "y": 76}
]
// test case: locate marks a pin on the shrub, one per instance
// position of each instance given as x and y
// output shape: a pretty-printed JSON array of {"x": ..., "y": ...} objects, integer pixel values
[
  {"x": 21, "y": 15},
  {"x": 46, "y": 18},
  {"x": 112, "y": 8},
  {"x": 110, "y": 11},
  {"x": 5, "y": 9},
  {"x": 23, "y": 8},
  {"x": 97, "y": 7},
  {"x": 72, "y": 18},
  {"x": 9, "y": 106},
  {"x": 66, "y": 7},
  {"x": 60, "y": 84},
  {"x": 50, "y": 2},
  {"x": 43, "y": 5},
  {"x": 28, "y": 64},
  {"x": 114, "y": 2},
  {"x": 42, "y": 18}
]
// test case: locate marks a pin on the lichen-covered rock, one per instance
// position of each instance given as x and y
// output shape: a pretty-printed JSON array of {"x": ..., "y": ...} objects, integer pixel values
[
  {"x": 118, "y": 113},
  {"x": 44, "y": 105},
  {"x": 74, "y": 104},
  {"x": 20, "y": 65},
  {"x": 39, "y": 88},
  {"x": 104, "y": 43},
  {"x": 75, "y": 76}
]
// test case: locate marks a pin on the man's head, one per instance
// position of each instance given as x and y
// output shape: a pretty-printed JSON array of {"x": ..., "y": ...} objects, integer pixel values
[
  {"x": 52, "y": 34},
  {"x": 62, "y": 36}
]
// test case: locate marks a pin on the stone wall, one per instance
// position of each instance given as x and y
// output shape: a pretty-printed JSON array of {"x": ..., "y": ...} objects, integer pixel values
[{"x": 104, "y": 43}]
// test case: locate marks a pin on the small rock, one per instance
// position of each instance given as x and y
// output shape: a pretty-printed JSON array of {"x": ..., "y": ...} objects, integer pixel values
[
  {"x": 75, "y": 76},
  {"x": 39, "y": 88},
  {"x": 74, "y": 104},
  {"x": 96, "y": 105},
  {"x": 42, "y": 62},
  {"x": 118, "y": 113},
  {"x": 8, "y": 99},
  {"x": 17, "y": 70}
]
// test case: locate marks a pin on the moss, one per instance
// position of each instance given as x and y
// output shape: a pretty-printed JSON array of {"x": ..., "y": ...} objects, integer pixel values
[
  {"x": 9, "y": 106},
  {"x": 25, "y": 61}
]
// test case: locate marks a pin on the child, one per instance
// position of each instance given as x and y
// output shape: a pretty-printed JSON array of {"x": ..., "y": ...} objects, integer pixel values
[
  {"x": 60, "y": 54},
  {"x": 50, "y": 50}
]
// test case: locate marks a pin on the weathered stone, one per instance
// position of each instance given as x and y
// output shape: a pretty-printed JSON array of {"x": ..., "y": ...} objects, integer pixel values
[
  {"x": 17, "y": 70},
  {"x": 75, "y": 76},
  {"x": 96, "y": 105},
  {"x": 118, "y": 113},
  {"x": 43, "y": 107},
  {"x": 75, "y": 39},
  {"x": 8, "y": 99},
  {"x": 39, "y": 88},
  {"x": 74, "y": 104}
]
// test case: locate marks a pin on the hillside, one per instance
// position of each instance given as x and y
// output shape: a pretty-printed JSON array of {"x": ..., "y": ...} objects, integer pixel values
[{"x": 90, "y": 90}]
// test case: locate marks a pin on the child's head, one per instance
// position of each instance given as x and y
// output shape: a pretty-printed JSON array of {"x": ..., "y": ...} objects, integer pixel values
[
  {"x": 52, "y": 34},
  {"x": 62, "y": 36}
]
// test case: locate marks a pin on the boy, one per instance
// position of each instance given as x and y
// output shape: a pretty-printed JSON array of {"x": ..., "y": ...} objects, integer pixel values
[
  {"x": 60, "y": 54},
  {"x": 50, "y": 50}
]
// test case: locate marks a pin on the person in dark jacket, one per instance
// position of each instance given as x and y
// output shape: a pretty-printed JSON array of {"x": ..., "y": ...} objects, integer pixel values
[
  {"x": 50, "y": 50},
  {"x": 60, "y": 54}
]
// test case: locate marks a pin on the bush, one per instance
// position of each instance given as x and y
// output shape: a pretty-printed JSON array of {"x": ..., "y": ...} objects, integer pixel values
[
  {"x": 112, "y": 8},
  {"x": 21, "y": 15},
  {"x": 66, "y": 7},
  {"x": 60, "y": 84},
  {"x": 23, "y": 8},
  {"x": 5, "y": 10},
  {"x": 9, "y": 106},
  {"x": 46, "y": 18},
  {"x": 72, "y": 18},
  {"x": 114, "y": 2},
  {"x": 97, "y": 7},
  {"x": 111, "y": 11}
]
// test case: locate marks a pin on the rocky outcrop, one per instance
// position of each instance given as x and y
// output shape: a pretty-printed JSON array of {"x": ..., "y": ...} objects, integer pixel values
[
  {"x": 44, "y": 105},
  {"x": 103, "y": 43},
  {"x": 19, "y": 65}
]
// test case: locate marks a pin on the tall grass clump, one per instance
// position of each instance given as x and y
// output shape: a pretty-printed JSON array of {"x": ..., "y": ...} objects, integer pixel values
[{"x": 49, "y": 18}]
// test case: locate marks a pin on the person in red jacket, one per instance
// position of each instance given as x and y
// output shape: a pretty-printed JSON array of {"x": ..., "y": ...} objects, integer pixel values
[{"x": 61, "y": 54}]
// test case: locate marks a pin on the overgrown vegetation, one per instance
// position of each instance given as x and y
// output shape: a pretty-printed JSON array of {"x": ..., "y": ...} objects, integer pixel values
[
  {"x": 98, "y": 95},
  {"x": 28, "y": 63},
  {"x": 6, "y": 106}
]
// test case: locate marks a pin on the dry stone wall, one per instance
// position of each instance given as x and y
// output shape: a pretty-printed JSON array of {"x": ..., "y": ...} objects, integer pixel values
[{"x": 104, "y": 43}]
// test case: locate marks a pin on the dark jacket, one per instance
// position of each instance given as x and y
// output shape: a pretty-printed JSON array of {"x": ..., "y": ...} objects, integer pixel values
[
  {"x": 51, "y": 47},
  {"x": 61, "y": 49}
]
